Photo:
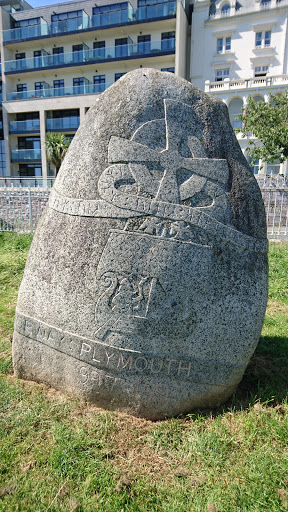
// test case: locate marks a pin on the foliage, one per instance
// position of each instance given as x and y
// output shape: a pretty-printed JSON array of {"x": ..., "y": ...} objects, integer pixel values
[
  {"x": 60, "y": 455},
  {"x": 56, "y": 148},
  {"x": 268, "y": 122}
]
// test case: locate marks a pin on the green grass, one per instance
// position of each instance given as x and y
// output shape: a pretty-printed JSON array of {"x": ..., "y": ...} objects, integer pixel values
[{"x": 57, "y": 454}]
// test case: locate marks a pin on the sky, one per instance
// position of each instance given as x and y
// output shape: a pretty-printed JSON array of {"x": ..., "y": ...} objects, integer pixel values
[{"x": 39, "y": 3}]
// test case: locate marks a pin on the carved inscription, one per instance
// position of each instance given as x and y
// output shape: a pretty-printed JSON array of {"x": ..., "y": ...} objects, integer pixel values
[{"x": 128, "y": 362}]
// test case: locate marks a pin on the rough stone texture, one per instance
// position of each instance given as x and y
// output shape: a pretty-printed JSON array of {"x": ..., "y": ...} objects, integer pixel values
[{"x": 146, "y": 285}]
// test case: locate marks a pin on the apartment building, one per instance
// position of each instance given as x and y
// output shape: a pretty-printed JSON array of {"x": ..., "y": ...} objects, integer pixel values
[
  {"x": 244, "y": 51},
  {"x": 57, "y": 59}
]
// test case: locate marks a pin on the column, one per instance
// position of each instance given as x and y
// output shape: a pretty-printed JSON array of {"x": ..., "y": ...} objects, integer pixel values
[{"x": 42, "y": 115}]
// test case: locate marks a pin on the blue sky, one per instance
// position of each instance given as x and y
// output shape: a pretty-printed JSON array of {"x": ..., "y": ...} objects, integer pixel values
[{"x": 39, "y": 3}]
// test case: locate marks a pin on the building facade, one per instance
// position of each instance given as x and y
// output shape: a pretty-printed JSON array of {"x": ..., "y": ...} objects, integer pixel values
[
  {"x": 57, "y": 59},
  {"x": 244, "y": 52}
]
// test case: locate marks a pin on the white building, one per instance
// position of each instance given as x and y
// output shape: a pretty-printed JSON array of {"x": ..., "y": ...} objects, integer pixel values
[{"x": 240, "y": 48}]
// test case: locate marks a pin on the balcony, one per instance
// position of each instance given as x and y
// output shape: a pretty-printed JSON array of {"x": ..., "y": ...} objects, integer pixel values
[
  {"x": 256, "y": 82},
  {"x": 30, "y": 32},
  {"x": 55, "y": 93},
  {"x": 1, "y": 98},
  {"x": 256, "y": 7},
  {"x": 28, "y": 126},
  {"x": 63, "y": 123},
  {"x": 123, "y": 52},
  {"x": 26, "y": 155},
  {"x": 99, "y": 21}
]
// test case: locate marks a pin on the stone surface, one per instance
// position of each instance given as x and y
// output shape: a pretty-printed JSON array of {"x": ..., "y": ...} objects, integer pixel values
[{"x": 146, "y": 284}]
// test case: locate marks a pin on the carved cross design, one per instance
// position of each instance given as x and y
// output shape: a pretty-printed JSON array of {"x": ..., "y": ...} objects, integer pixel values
[{"x": 128, "y": 151}]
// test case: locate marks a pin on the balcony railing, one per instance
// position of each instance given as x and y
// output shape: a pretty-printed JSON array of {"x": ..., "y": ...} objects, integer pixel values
[
  {"x": 55, "y": 93},
  {"x": 28, "y": 126},
  {"x": 256, "y": 7},
  {"x": 263, "y": 81},
  {"x": 26, "y": 155},
  {"x": 101, "y": 20},
  {"x": 137, "y": 50},
  {"x": 63, "y": 123}
]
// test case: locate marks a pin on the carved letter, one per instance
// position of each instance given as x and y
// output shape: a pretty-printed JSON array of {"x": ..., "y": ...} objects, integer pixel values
[
  {"x": 108, "y": 357},
  {"x": 156, "y": 371},
  {"x": 85, "y": 348},
  {"x": 188, "y": 368},
  {"x": 143, "y": 365},
  {"x": 128, "y": 362},
  {"x": 170, "y": 361}
]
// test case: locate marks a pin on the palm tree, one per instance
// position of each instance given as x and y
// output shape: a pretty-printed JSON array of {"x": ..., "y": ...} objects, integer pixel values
[{"x": 56, "y": 148}]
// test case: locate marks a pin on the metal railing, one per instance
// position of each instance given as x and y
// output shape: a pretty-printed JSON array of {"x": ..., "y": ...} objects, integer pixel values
[
  {"x": 130, "y": 50},
  {"x": 100, "y": 20},
  {"x": 21, "y": 206},
  {"x": 274, "y": 189}
]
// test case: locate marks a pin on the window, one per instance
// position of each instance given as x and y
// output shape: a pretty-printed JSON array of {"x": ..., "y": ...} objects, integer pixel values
[
  {"x": 58, "y": 87},
  {"x": 261, "y": 71},
  {"x": 263, "y": 39},
  {"x": 221, "y": 74},
  {"x": 235, "y": 109},
  {"x": 121, "y": 47},
  {"x": 66, "y": 16},
  {"x": 58, "y": 55},
  {"x": 27, "y": 116},
  {"x": 223, "y": 44},
  {"x": 21, "y": 87},
  {"x": 77, "y": 50},
  {"x": 110, "y": 14},
  {"x": 99, "y": 83},
  {"x": 26, "y": 23},
  {"x": 118, "y": 75},
  {"x": 39, "y": 86},
  {"x": 78, "y": 85},
  {"x": 20, "y": 58},
  {"x": 169, "y": 70},
  {"x": 29, "y": 143},
  {"x": 112, "y": 7},
  {"x": 99, "y": 50},
  {"x": 168, "y": 41},
  {"x": 144, "y": 44},
  {"x": 26, "y": 170},
  {"x": 37, "y": 58},
  {"x": 225, "y": 10}
]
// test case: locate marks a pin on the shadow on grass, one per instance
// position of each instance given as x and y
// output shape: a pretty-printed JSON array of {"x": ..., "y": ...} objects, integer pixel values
[{"x": 265, "y": 379}]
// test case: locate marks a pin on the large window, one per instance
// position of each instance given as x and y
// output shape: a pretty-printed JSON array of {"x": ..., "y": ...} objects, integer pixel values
[
  {"x": 58, "y": 55},
  {"x": 27, "y": 23},
  {"x": 58, "y": 87},
  {"x": 223, "y": 44},
  {"x": 169, "y": 70},
  {"x": 167, "y": 41},
  {"x": 29, "y": 143},
  {"x": 121, "y": 47},
  {"x": 21, "y": 61},
  {"x": 99, "y": 83},
  {"x": 99, "y": 50},
  {"x": 260, "y": 71},
  {"x": 221, "y": 74},
  {"x": 118, "y": 75},
  {"x": 26, "y": 170},
  {"x": 263, "y": 39},
  {"x": 66, "y": 16},
  {"x": 78, "y": 85},
  {"x": 144, "y": 44},
  {"x": 21, "y": 91},
  {"x": 111, "y": 14},
  {"x": 77, "y": 50}
]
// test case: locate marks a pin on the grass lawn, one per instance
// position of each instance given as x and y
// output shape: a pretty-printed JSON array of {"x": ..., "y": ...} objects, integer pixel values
[{"x": 58, "y": 454}]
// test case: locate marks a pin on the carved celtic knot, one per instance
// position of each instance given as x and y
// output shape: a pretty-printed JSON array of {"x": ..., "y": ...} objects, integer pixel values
[{"x": 131, "y": 159}]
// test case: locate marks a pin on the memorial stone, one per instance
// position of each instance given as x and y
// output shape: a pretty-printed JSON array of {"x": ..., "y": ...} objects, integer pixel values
[{"x": 146, "y": 284}]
